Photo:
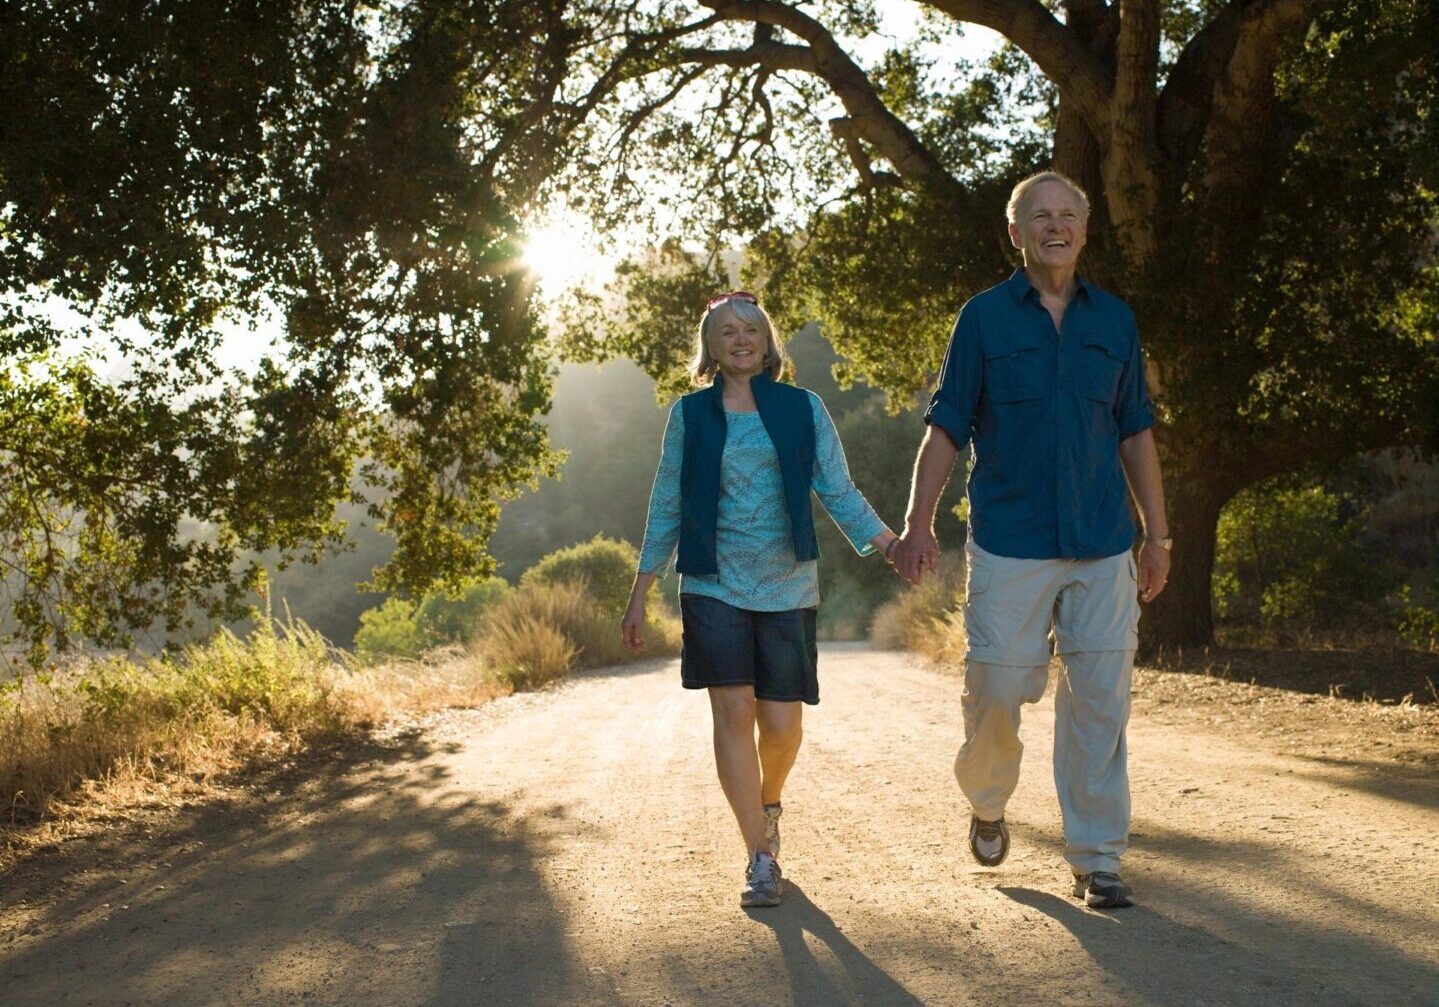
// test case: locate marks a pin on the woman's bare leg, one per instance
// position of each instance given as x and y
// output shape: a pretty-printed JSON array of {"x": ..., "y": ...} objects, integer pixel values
[
  {"x": 781, "y": 728},
  {"x": 737, "y": 759}
]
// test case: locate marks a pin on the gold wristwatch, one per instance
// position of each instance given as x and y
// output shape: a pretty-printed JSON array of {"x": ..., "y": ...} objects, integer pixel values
[{"x": 1165, "y": 543}]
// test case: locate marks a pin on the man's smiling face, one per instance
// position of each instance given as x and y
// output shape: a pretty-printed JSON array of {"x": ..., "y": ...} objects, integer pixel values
[{"x": 1050, "y": 230}]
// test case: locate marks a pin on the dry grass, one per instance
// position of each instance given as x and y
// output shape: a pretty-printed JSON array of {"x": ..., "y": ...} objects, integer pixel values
[
  {"x": 542, "y": 632},
  {"x": 104, "y": 733},
  {"x": 927, "y": 620}
]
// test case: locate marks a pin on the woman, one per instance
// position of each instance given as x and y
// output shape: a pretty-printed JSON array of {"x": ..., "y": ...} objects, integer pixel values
[{"x": 740, "y": 458}]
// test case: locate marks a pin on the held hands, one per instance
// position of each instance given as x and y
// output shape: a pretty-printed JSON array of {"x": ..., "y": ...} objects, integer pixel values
[
  {"x": 917, "y": 552},
  {"x": 1153, "y": 566}
]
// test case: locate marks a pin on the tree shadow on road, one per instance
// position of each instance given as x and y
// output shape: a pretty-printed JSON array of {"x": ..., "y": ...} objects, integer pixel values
[
  {"x": 1206, "y": 930},
  {"x": 370, "y": 883},
  {"x": 811, "y": 981},
  {"x": 1416, "y": 785}
]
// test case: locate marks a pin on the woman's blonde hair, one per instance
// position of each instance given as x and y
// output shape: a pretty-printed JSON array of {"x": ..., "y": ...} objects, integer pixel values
[{"x": 705, "y": 367}]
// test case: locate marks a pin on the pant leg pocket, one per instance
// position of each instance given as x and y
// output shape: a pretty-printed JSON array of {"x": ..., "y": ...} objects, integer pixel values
[
  {"x": 976, "y": 589},
  {"x": 1132, "y": 565}
]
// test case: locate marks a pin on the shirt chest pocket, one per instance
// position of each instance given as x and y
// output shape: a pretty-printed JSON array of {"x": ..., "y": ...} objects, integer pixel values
[
  {"x": 1100, "y": 368},
  {"x": 1018, "y": 372}
]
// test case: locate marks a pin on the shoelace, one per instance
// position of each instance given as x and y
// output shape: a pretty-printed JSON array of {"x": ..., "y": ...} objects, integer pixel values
[{"x": 762, "y": 870}]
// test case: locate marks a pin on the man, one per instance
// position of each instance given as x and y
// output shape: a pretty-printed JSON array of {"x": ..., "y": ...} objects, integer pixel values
[{"x": 1045, "y": 376}]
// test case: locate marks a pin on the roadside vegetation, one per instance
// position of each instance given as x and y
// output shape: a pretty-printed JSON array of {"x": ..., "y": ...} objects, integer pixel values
[{"x": 110, "y": 728}]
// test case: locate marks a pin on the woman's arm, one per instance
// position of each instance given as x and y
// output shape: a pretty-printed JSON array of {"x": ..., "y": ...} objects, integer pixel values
[
  {"x": 662, "y": 529},
  {"x": 662, "y": 525},
  {"x": 841, "y": 498}
]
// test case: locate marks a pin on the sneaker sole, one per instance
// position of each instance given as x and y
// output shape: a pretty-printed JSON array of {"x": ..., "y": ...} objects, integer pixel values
[
  {"x": 1105, "y": 902},
  {"x": 753, "y": 902},
  {"x": 1093, "y": 901}
]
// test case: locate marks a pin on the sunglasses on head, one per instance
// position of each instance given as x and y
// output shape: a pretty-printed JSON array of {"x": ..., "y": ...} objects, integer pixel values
[{"x": 733, "y": 295}]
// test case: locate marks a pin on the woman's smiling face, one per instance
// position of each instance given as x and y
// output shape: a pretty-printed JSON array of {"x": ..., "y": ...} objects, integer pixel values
[{"x": 738, "y": 346}]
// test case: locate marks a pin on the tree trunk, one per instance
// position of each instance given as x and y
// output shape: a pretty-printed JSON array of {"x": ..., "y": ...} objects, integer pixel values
[{"x": 1182, "y": 616}]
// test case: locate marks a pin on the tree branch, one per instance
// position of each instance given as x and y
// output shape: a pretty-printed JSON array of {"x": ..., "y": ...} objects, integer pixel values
[
  {"x": 842, "y": 128},
  {"x": 1188, "y": 94},
  {"x": 1076, "y": 71},
  {"x": 822, "y": 56},
  {"x": 1131, "y": 162},
  {"x": 1244, "y": 99}
]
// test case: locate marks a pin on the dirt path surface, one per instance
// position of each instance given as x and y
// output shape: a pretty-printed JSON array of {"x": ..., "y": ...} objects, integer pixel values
[{"x": 572, "y": 847}]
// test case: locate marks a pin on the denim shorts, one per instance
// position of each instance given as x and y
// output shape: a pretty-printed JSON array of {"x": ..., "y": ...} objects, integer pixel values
[{"x": 773, "y": 651}]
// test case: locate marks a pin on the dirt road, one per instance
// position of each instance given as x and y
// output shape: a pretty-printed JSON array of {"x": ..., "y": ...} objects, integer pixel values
[{"x": 572, "y": 847}]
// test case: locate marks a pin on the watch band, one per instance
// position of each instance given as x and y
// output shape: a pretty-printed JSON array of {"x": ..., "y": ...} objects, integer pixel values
[{"x": 1165, "y": 543}]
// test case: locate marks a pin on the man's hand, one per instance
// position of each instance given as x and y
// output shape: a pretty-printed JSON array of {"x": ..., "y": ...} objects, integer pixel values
[
  {"x": 917, "y": 552},
  {"x": 1153, "y": 570}
]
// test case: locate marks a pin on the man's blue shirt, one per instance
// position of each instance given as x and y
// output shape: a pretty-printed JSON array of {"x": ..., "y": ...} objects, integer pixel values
[{"x": 1046, "y": 411}]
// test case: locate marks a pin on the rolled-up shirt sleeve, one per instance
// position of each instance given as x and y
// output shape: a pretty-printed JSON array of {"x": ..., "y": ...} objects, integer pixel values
[
  {"x": 662, "y": 526},
  {"x": 956, "y": 401},
  {"x": 1133, "y": 409},
  {"x": 831, "y": 481}
]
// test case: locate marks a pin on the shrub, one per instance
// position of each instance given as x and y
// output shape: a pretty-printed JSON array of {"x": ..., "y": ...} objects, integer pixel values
[
  {"x": 459, "y": 619},
  {"x": 925, "y": 619},
  {"x": 391, "y": 630},
  {"x": 521, "y": 642},
  {"x": 606, "y": 565},
  {"x": 1290, "y": 553},
  {"x": 1418, "y": 624},
  {"x": 526, "y": 651},
  {"x": 195, "y": 713},
  {"x": 402, "y": 628}
]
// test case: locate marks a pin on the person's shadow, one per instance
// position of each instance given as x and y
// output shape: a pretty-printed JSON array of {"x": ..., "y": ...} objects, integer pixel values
[{"x": 812, "y": 981}]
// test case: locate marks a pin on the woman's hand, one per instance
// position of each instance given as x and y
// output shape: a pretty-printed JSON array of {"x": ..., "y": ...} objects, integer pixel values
[{"x": 632, "y": 626}]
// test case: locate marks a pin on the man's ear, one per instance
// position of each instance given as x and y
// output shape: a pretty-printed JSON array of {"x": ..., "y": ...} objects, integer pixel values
[{"x": 1014, "y": 236}]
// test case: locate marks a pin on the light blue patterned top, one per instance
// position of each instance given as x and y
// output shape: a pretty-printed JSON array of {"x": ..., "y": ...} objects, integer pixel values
[{"x": 757, "y": 566}]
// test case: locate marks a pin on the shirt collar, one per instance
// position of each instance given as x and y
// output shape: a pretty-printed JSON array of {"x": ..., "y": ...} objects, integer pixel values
[{"x": 1021, "y": 289}]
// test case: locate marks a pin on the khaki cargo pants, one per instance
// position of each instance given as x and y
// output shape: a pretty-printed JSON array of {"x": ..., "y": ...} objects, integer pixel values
[{"x": 1090, "y": 610}]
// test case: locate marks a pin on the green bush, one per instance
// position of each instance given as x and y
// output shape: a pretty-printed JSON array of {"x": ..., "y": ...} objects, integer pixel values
[
  {"x": 1289, "y": 553},
  {"x": 1418, "y": 624},
  {"x": 391, "y": 630},
  {"x": 403, "y": 628},
  {"x": 605, "y": 565},
  {"x": 459, "y": 620}
]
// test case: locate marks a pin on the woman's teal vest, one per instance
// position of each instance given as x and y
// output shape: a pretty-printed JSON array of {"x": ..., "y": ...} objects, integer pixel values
[{"x": 789, "y": 421}]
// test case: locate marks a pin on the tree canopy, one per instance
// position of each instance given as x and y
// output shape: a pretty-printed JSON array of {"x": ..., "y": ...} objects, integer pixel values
[
  {"x": 1263, "y": 175},
  {"x": 354, "y": 173}
]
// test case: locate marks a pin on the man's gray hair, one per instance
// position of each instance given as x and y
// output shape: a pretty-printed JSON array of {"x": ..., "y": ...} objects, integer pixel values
[{"x": 1016, "y": 197}]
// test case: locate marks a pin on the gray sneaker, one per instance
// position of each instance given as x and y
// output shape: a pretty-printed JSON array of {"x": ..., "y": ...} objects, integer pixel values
[
  {"x": 762, "y": 882},
  {"x": 988, "y": 841},
  {"x": 1103, "y": 890},
  {"x": 771, "y": 826}
]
